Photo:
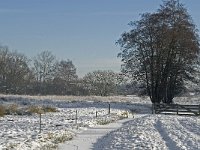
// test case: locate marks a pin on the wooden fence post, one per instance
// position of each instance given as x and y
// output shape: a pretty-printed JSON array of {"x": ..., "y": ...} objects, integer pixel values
[
  {"x": 109, "y": 108},
  {"x": 96, "y": 114},
  {"x": 199, "y": 109},
  {"x": 40, "y": 122},
  {"x": 177, "y": 108},
  {"x": 76, "y": 117}
]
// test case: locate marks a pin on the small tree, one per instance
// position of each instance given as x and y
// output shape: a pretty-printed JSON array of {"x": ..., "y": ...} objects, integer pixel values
[
  {"x": 14, "y": 71},
  {"x": 100, "y": 82},
  {"x": 161, "y": 50},
  {"x": 66, "y": 77},
  {"x": 66, "y": 71},
  {"x": 44, "y": 66},
  {"x": 44, "y": 70}
]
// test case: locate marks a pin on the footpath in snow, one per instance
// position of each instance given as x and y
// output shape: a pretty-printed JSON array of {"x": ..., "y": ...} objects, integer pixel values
[
  {"x": 86, "y": 139},
  {"x": 158, "y": 132}
]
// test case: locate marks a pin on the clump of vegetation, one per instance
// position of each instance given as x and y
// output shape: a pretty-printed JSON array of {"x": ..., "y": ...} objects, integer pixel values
[
  {"x": 12, "y": 109},
  {"x": 49, "y": 146},
  {"x": 62, "y": 138},
  {"x": 49, "y": 109},
  {"x": 41, "y": 110},
  {"x": 103, "y": 122},
  {"x": 124, "y": 115},
  {"x": 34, "y": 109},
  {"x": 54, "y": 139},
  {"x": 11, "y": 146},
  {"x": 48, "y": 141},
  {"x": 2, "y": 111}
]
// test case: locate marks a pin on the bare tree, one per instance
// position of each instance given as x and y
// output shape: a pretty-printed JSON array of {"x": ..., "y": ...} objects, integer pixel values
[
  {"x": 160, "y": 50},
  {"x": 66, "y": 71},
  {"x": 101, "y": 82},
  {"x": 44, "y": 66},
  {"x": 14, "y": 71},
  {"x": 66, "y": 77},
  {"x": 4, "y": 52}
]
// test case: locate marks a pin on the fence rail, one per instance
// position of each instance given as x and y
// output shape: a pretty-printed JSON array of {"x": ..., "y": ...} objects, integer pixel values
[{"x": 176, "y": 109}]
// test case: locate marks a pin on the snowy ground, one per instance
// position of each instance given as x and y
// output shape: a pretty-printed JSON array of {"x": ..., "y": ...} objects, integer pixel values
[
  {"x": 144, "y": 131},
  {"x": 87, "y": 138},
  {"x": 154, "y": 132},
  {"x": 23, "y": 131}
]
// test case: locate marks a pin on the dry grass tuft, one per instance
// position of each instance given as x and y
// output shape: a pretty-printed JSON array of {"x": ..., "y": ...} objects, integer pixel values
[
  {"x": 2, "y": 111},
  {"x": 41, "y": 110},
  {"x": 49, "y": 109}
]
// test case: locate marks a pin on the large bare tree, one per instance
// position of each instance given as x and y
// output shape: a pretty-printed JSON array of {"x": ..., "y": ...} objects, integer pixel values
[{"x": 160, "y": 50}]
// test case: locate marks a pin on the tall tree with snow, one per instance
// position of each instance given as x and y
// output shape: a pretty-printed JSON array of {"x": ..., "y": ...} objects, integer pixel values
[
  {"x": 161, "y": 50},
  {"x": 44, "y": 66},
  {"x": 101, "y": 83},
  {"x": 66, "y": 77},
  {"x": 44, "y": 70},
  {"x": 14, "y": 72}
]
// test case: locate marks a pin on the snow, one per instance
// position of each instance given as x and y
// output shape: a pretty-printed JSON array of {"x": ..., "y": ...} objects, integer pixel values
[
  {"x": 86, "y": 139},
  {"x": 61, "y": 130},
  {"x": 154, "y": 132},
  {"x": 23, "y": 131}
]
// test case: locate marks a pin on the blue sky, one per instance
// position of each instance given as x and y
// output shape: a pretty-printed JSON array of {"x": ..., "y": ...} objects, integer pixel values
[{"x": 84, "y": 31}]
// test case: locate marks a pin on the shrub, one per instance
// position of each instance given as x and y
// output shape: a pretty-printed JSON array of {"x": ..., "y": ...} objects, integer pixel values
[
  {"x": 54, "y": 139},
  {"x": 103, "y": 122},
  {"x": 39, "y": 110},
  {"x": 2, "y": 111},
  {"x": 35, "y": 109},
  {"x": 49, "y": 109},
  {"x": 12, "y": 109},
  {"x": 124, "y": 115}
]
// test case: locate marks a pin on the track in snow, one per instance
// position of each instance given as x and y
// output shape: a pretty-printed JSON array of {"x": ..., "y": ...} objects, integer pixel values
[{"x": 158, "y": 132}]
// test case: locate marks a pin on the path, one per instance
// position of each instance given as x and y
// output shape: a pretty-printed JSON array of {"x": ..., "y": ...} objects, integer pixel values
[{"x": 86, "y": 139}]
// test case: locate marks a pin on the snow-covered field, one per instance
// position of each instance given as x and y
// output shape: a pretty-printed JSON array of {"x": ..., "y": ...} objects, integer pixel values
[
  {"x": 154, "y": 132},
  {"x": 144, "y": 131}
]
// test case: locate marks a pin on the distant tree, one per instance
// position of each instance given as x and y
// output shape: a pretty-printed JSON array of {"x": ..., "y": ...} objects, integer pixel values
[
  {"x": 66, "y": 71},
  {"x": 44, "y": 66},
  {"x": 161, "y": 50},
  {"x": 18, "y": 73},
  {"x": 44, "y": 71},
  {"x": 4, "y": 55},
  {"x": 82, "y": 87},
  {"x": 14, "y": 71},
  {"x": 101, "y": 82},
  {"x": 66, "y": 77}
]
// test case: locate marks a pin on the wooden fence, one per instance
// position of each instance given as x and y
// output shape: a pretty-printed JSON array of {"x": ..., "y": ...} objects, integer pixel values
[{"x": 176, "y": 109}]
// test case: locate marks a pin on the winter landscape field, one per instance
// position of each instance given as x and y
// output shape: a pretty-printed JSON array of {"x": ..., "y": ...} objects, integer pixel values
[{"x": 129, "y": 124}]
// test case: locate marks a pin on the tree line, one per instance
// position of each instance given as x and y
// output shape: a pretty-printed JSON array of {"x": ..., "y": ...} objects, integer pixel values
[
  {"x": 45, "y": 75},
  {"x": 160, "y": 56}
]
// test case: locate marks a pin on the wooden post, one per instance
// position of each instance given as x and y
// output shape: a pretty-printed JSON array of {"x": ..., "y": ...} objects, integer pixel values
[
  {"x": 177, "y": 109},
  {"x": 76, "y": 117},
  {"x": 40, "y": 122},
  {"x": 199, "y": 110},
  {"x": 96, "y": 114},
  {"x": 109, "y": 108}
]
